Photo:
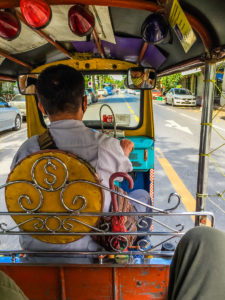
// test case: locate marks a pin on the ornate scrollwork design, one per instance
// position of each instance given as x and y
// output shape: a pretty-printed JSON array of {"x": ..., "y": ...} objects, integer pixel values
[
  {"x": 50, "y": 162},
  {"x": 70, "y": 227},
  {"x": 75, "y": 199},
  {"x": 118, "y": 238},
  {"x": 143, "y": 244},
  {"x": 171, "y": 196},
  {"x": 60, "y": 223},
  {"x": 3, "y": 227},
  {"x": 20, "y": 199}
]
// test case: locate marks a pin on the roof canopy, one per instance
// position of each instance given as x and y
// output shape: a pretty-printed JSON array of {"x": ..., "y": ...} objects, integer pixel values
[{"x": 117, "y": 35}]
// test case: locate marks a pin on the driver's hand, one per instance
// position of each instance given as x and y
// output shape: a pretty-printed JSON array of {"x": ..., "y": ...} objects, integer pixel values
[{"x": 127, "y": 146}]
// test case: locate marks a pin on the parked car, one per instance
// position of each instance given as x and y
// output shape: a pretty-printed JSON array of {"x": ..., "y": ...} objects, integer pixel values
[
  {"x": 102, "y": 93},
  {"x": 130, "y": 91},
  {"x": 10, "y": 117},
  {"x": 89, "y": 101},
  {"x": 180, "y": 97},
  {"x": 156, "y": 93},
  {"x": 19, "y": 102},
  {"x": 94, "y": 97}
]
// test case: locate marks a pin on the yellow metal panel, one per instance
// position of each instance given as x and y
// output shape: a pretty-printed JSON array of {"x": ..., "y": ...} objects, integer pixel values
[
  {"x": 147, "y": 127},
  {"x": 48, "y": 169}
]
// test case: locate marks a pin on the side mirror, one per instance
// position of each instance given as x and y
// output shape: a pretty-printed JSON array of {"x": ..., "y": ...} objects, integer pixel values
[
  {"x": 141, "y": 78},
  {"x": 27, "y": 83}
]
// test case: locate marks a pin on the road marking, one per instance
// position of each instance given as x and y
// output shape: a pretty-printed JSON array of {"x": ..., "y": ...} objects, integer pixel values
[
  {"x": 173, "y": 124},
  {"x": 187, "y": 199},
  {"x": 188, "y": 117},
  {"x": 217, "y": 127},
  {"x": 220, "y": 208},
  {"x": 136, "y": 118},
  {"x": 132, "y": 112}
]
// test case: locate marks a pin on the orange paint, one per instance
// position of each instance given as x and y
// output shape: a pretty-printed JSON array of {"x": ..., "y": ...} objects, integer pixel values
[{"x": 85, "y": 282}]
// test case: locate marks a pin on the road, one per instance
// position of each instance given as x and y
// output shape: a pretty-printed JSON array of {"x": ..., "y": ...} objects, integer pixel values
[
  {"x": 177, "y": 133},
  {"x": 176, "y": 147}
]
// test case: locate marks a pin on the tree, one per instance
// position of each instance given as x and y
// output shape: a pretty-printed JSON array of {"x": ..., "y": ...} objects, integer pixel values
[{"x": 171, "y": 81}]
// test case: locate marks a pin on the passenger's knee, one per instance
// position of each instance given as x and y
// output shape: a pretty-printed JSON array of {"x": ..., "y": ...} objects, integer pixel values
[
  {"x": 203, "y": 235},
  {"x": 142, "y": 196}
]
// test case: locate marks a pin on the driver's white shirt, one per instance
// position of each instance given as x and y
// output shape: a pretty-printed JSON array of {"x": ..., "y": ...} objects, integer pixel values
[{"x": 102, "y": 152}]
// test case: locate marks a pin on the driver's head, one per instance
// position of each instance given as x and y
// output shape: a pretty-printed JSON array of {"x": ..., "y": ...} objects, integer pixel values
[
  {"x": 60, "y": 89},
  {"x": 136, "y": 74},
  {"x": 137, "y": 77}
]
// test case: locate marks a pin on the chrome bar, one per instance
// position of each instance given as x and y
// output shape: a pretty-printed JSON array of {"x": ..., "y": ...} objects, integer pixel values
[
  {"x": 140, "y": 233},
  {"x": 205, "y": 138},
  {"x": 91, "y": 253}
]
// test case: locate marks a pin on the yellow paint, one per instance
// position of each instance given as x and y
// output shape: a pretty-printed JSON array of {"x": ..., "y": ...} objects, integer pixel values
[
  {"x": 186, "y": 197},
  {"x": 77, "y": 169},
  {"x": 146, "y": 128},
  {"x": 181, "y": 26}
]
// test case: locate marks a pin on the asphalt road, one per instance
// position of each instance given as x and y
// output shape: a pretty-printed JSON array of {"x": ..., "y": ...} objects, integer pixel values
[{"x": 177, "y": 134}]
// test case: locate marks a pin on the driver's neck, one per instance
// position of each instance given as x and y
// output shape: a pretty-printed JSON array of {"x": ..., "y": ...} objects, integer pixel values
[{"x": 66, "y": 116}]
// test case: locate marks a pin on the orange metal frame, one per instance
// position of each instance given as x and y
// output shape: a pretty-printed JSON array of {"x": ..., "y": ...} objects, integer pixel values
[{"x": 85, "y": 282}]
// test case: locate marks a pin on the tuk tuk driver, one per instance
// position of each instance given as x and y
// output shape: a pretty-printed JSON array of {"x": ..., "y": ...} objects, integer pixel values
[
  {"x": 140, "y": 79},
  {"x": 60, "y": 90}
]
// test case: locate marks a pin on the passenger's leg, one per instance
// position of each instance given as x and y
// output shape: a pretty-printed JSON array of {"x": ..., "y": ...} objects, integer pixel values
[
  {"x": 198, "y": 267},
  {"x": 144, "y": 223},
  {"x": 142, "y": 196},
  {"x": 9, "y": 290}
]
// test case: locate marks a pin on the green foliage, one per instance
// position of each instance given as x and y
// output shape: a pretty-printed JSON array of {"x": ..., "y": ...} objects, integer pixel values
[
  {"x": 98, "y": 81},
  {"x": 7, "y": 89},
  {"x": 171, "y": 81}
]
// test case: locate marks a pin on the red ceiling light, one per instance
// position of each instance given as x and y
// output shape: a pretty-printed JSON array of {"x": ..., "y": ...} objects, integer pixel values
[
  {"x": 81, "y": 20},
  {"x": 37, "y": 13},
  {"x": 9, "y": 25}
]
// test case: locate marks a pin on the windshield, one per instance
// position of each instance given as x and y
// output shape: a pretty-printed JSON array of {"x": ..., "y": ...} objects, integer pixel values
[
  {"x": 182, "y": 92},
  {"x": 110, "y": 89}
]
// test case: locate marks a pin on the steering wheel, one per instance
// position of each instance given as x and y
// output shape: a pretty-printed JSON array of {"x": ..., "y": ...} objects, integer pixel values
[{"x": 114, "y": 119}]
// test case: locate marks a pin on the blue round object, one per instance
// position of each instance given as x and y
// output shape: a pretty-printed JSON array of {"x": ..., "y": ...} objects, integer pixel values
[{"x": 154, "y": 29}]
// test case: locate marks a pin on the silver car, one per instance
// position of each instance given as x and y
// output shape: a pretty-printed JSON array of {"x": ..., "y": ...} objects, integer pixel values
[
  {"x": 180, "y": 96},
  {"x": 19, "y": 102},
  {"x": 10, "y": 117}
]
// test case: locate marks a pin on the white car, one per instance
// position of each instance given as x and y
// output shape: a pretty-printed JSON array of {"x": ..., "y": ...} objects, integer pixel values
[
  {"x": 130, "y": 91},
  {"x": 10, "y": 117},
  {"x": 180, "y": 96},
  {"x": 19, "y": 102}
]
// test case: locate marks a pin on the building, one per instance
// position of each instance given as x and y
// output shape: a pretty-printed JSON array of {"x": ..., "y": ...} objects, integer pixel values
[{"x": 194, "y": 80}]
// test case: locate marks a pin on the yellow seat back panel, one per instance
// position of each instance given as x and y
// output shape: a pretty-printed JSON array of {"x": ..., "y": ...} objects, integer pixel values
[{"x": 44, "y": 183}]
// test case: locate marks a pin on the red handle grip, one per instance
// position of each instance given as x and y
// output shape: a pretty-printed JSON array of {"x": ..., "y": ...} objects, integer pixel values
[{"x": 112, "y": 186}]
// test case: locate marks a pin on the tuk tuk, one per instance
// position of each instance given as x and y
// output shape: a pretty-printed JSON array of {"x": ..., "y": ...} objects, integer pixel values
[{"x": 49, "y": 195}]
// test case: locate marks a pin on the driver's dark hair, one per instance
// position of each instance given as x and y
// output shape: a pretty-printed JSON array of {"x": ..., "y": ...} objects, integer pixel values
[{"x": 60, "y": 89}]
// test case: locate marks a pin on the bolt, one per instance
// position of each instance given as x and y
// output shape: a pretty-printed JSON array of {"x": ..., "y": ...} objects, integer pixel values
[{"x": 139, "y": 283}]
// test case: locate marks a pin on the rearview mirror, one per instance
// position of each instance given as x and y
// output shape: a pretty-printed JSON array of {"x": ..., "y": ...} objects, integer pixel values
[
  {"x": 141, "y": 78},
  {"x": 27, "y": 83}
]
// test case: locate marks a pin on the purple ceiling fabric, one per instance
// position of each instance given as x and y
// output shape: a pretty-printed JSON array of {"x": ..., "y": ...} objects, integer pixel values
[
  {"x": 127, "y": 49},
  {"x": 153, "y": 57}
]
